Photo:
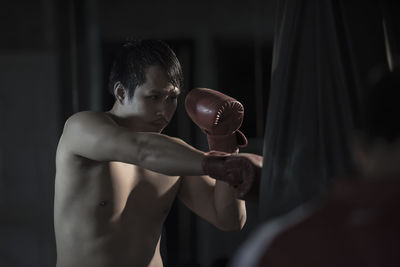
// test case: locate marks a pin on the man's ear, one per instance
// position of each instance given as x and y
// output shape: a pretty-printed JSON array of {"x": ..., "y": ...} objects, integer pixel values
[{"x": 119, "y": 92}]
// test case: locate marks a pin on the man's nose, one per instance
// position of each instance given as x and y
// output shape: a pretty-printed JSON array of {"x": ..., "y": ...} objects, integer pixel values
[
  {"x": 160, "y": 113},
  {"x": 161, "y": 109},
  {"x": 165, "y": 109}
]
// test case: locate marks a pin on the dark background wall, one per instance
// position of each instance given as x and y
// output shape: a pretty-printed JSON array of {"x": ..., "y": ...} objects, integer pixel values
[{"x": 54, "y": 61}]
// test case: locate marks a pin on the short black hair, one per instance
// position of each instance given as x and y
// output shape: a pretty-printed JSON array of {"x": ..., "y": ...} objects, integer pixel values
[
  {"x": 382, "y": 109},
  {"x": 134, "y": 58}
]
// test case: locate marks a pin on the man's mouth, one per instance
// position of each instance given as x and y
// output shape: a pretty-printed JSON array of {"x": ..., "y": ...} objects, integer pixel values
[{"x": 160, "y": 122}]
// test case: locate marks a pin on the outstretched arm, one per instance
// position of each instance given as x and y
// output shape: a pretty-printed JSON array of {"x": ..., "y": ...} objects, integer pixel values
[{"x": 95, "y": 136}]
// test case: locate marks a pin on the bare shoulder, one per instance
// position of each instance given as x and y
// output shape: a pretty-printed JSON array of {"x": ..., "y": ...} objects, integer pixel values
[
  {"x": 93, "y": 121},
  {"x": 87, "y": 119},
  {"x": 84, "y": 130}
]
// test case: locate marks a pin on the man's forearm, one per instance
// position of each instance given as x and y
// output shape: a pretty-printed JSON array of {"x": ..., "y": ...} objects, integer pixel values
[
  {"x": 231, "y": 212},
  {"x": 164, "y": 154}
]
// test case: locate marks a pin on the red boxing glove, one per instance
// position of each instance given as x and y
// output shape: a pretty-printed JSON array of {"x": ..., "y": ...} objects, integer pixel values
[
  {"x": 219, "y": 116},
  {"x": 242, "y": 171}
]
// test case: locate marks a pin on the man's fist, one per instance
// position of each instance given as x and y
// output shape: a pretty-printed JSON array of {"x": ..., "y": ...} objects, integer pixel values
[
  {"x": 242, "y": 171},
  {"x": 219, "y": 116}
]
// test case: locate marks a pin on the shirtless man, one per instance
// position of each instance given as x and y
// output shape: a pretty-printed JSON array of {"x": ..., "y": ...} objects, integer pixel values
[{"x": 117, "y": 176}]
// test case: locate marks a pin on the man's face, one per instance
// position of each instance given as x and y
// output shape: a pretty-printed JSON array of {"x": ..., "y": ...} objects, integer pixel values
[{"x": 153, "y": 103}]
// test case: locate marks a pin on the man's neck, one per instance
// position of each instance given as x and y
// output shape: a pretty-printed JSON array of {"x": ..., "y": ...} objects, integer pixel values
[{"x": 118, "y": 116}]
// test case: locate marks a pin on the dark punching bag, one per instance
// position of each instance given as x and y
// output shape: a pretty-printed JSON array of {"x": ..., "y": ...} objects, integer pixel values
[{"x": 324, "y": 51}]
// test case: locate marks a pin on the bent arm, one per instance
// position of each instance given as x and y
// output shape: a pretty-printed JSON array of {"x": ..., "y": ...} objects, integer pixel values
[
  {"x": 231, "y": 211},
  {"x": 95, "y": 136},
  {"x": 214, "y": 201}
]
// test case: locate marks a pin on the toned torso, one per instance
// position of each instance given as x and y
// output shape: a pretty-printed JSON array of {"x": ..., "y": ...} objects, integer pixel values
[{"x": 109, "y": 213}]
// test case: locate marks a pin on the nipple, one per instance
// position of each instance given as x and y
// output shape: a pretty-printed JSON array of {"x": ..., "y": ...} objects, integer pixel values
[{"x": 103, "y": 203}]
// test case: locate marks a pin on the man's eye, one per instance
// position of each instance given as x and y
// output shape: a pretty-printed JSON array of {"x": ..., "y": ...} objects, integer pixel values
[
  {"x": 154, "y": 97},
  {"x": 172, "y": 97}
]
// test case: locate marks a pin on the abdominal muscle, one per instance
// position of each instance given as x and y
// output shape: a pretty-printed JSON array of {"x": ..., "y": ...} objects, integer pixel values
[
  {"x": 111, "y": 217},
  {"x": 120, "y": 247}
]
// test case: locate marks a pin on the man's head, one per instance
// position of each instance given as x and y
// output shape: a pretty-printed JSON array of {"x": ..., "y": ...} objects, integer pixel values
[
  {"x": 378, "y": 137},
  {"x": 145, "y": 80},
  {"x": 135, "y": 57}
]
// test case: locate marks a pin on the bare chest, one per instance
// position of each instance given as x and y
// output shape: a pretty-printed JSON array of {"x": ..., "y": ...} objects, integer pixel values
[{"x": 136, "y": 192}]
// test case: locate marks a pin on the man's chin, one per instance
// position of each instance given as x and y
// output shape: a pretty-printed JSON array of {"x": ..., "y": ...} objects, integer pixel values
[
  {"x": 155, "y": 129},
  {"x": 162, "y": 129}
]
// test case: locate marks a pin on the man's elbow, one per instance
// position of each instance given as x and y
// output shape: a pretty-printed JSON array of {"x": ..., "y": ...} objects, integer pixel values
[{"x": 233, "y": 225}]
